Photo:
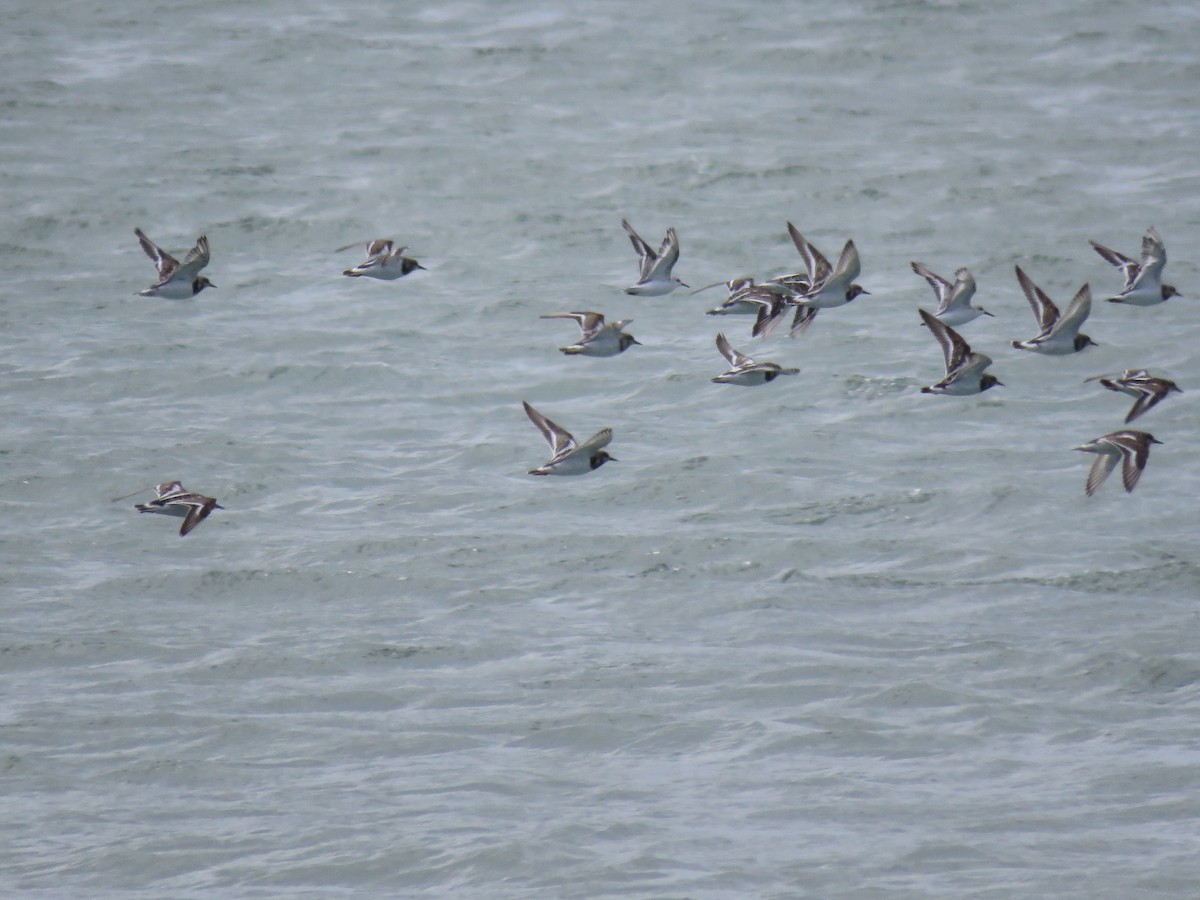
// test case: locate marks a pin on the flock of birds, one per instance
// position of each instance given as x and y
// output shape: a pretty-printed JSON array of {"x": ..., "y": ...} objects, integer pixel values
[
  {"x": 825, "y": 286},
  {"x": 800, "y": 294},
  {"x": 182, "y": 280}
]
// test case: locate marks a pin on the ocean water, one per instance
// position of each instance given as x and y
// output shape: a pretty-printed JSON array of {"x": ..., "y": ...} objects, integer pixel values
[{"x": 828, "y": 637}]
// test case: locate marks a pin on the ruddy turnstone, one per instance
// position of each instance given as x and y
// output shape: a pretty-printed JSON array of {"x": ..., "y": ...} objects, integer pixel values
[
  {"x": 1143, "y": 277},
  {"x": 748, "y": 298},
  {"x": 569, "y": 459},
  {"x": 732, "y": 286},
  {"x": 596, "y": 338},
  {"x": 176, "y": 280},
  {"x": 382, "y": 261},
  {"x": 654, "y": 275},
  {"x": 734, "y": 303},
  {"x": 964, "y": 369},
  {"x": 829, "y": 286},
  {"x": 1132, "y": 448},
  {"x": 795, "y": 283},
  {"x": 743, "y": 370},
  {"x": 173, "y": 500},
  {"x": 1138, "y": 383},
  {"x": 1059, "y": 334},
  {"x": 954, "y": 300}
]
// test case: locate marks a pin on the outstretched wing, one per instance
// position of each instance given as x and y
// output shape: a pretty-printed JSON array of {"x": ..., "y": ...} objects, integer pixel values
[
  {"x": 199, "y": 507},
  {"x": 972, "y": 367},
  {"x": 1135, "y": 451},
  {"x": 163, "y": 261},
  {"x": 802, "y": 320},
  {"x": 733, "y": 357},
  {"x": 1154, "y": 257},
  {"x": 560, "y": 440},
  {"x": 589, "y": 322},
  {"x": 196, "y": 260},
  {"x": 941, "y": 287},
  {"x": 817, "y": 265},
  {"x": 167, "y": 488},
  {"x": 1152, "y": 245},
  {"x": 668, "y": 255},
  {"x": 762, "y": 295},
  {"x": 1150, "y": 391},
  {"x": 1043, "y": 307},
  {"x": 954, "y": 348},
  {"x": 962, "y": 291},
  {"x": 374, "y": 248},
  {"x": 644, "y": 251},
  {"x": 790, "y": 285},
  {"x": 1129, "y": 267},
  {"x": 1101, "y": 468},
  {"x": 601, "y": 438},
  {"x": 770, "y": 314},
  {"x": 848, "y": 265},
  {"x": 1077, "y": 312}
]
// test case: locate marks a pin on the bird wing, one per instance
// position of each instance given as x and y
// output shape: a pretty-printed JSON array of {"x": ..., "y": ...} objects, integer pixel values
[
  {"x": 1101, "y": 468},
  {"x": 848, "y": 265},
  {"x": 802, "y": 320},
  {"x": 761, "y": 294},
  {"x": 734, "y": 358},
  {"x": 196, "y": 259},
  {"x": 1152, "y": 244},
  {"x": 560, "y": 440},
  {"x": 1150, "y": 391},
  {"x": 770, "y": 314},
  {"x": 589, "y": 322},
  {"x": 165, "y": 490},
  {"x": 163, "y": 261},
  {"x": 817, "y": 265},
  {"x": 644, "y": 251},
  {"x": 796, "y": 283},
  {"x": 961, "y": 291},
  {"x": 972, "y": 367},
  {"x": 1135, "y": 451},
  {"x": 1043, "y": 307},
  {"x": 374, "y": 248},
  {"x": 941, "y": 287},
  {"x": 1129, "y": 267},
  {"x": 1154, "y": 257},
  {"x": 601, "y": 438},
  {"x": 199, "y": 508},
  {"x": 668, "y": 255},
  {"x": 1077, "y": 312},
  {"x": 954, "y": 348}
]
